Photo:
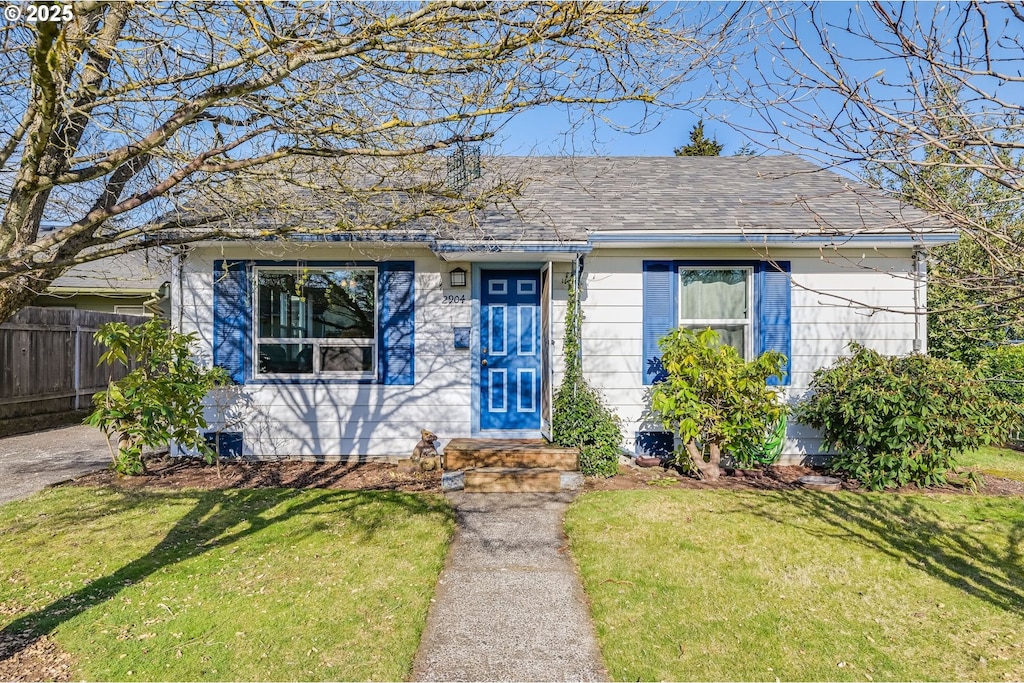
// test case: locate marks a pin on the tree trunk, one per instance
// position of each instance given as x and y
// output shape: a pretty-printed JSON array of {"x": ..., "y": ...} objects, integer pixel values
[
  {"x": 706, "y": 470},
  {"x": 18, "y": 292}
]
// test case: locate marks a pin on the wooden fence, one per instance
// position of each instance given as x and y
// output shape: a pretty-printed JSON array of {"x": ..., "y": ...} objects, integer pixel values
[{"x": 49, "y": 361}]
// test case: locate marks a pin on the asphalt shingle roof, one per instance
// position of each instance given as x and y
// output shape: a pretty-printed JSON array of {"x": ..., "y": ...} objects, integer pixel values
[
  {"x": 570, "y": 198},
  {"x": 136, "y": 272}
]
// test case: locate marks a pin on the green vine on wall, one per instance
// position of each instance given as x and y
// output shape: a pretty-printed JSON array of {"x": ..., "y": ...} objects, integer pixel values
[
  {"x": 581, "y": 419},
  {"x": 571, "y": 338}
]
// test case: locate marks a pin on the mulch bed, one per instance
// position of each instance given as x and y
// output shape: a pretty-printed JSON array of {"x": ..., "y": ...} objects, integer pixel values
[
  {"x": 42, "y": 660},
  {"x": 180, "y": 473},
  {"x": 192, "y": 473},
  {"x": 776, "y": 478},
  {"x": 632, "y": 477}
]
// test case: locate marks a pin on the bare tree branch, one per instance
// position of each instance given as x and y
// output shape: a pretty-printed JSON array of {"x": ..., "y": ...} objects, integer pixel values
[
  {"x": 923, "y": 100},
  {"x": 134, "y": 111}
]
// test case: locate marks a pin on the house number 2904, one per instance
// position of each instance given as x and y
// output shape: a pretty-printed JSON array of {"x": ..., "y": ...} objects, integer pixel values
[{"x": 454, "y": 298}]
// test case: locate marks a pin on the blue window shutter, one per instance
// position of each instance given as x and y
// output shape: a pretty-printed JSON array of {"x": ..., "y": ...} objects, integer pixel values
[
  {"x": 228, "y": 444},
  {"x": 659, "y": 310},
  {"x": 660, "y": 444},
  {"x": 232, "y": 318},
  {"x": 397, "y": 323},
  {"x": 773, "y": 311}
]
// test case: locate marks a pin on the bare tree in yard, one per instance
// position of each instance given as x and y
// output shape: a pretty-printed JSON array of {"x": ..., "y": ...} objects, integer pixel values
[
  {"x": 125, "y": 112},
  {"x": 924, "y": 100},
  {"x": 975, "y": 284}
]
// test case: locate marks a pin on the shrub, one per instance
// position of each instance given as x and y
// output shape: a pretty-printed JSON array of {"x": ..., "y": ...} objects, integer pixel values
[
  {"x": 582, "y": 420},
  {"x": 160, "y": 400},
  {"x": 715, "y": 400},
  {"x": 897, "y": 420},
  {"x": 1002, "y": 368}
]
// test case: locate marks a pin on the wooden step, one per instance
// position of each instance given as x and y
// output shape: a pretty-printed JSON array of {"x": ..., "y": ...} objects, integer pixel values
[
  {"x": 467, "y": 454},
  {"x": 513, "y": 480}
]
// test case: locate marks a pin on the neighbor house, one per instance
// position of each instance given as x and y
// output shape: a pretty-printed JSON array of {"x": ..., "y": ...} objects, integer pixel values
[
  {"x": 135, "y": 283},
  {"x": 346, "y": 346}
]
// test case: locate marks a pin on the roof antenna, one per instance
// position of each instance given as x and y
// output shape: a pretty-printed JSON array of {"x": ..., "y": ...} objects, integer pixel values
[{"x": 463, "y": 166}]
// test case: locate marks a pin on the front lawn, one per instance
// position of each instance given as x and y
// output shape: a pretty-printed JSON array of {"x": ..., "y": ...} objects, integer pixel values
[
  {"x": 997, "y": 462},
  {"x": 791, "y": 585},
  {"x": 258, "y": 584}
]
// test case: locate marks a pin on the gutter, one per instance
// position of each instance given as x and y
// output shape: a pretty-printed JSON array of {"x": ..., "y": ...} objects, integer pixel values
[
  {"x": 455, "y": 250},
  {"x": 641, "y": 239},
  {"x": 482, "y": 251},
  {"x": 115, "y": 292}
]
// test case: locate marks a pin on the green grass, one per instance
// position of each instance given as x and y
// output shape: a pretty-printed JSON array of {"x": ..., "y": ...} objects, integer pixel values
[
  {"x": 726, "y": 585},
  {"x": 267, "y": 584},
  {"x": 998, "y": 462}
]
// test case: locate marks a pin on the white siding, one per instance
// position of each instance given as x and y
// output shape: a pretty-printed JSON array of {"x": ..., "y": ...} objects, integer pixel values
[
  {"x": 847, "y": 297},
  {"x": 834, "y": 301},
  {"x": 325, "y": 420}
]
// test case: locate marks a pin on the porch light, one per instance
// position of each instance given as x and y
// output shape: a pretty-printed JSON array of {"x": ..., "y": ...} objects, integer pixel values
[{"x": 458, "y": 277}]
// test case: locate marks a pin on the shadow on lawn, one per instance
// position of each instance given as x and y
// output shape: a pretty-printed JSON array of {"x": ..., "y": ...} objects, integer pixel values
[
  {"x": 218, "y": 518},
  {"x": 981, "y": 564}
]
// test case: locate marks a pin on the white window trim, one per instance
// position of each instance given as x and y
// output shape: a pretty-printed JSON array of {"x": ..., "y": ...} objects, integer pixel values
[
  {"x": 316, "y": 342},
  {"x": 748, "y": 322},
  {"x": 133, "y": 309}
]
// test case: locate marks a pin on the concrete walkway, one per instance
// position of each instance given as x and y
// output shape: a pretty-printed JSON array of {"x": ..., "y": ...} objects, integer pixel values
[
  {"x": 509, "y": 606},
  {"x": 30, "y": 462}
]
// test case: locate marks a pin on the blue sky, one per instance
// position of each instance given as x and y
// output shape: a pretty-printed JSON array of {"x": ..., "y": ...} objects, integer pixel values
[
  {"x": 542, "y": 131},
  {"x": 874, "y": 58},
  {"x": 635, "y": 129},
  {"x": 555, "y": 130}
]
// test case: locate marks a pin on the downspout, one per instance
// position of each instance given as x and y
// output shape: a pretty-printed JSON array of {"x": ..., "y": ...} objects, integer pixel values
[
  {"x": 577, "y": 275},
  {"x": 920, "y": 300},
  {"x": 177, "y": 284}
]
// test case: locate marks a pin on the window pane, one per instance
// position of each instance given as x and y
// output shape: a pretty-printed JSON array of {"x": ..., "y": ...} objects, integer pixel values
[
  {"x": 731, "y": 335},
  {"x": 325, "y": 304},
  {"x": 713, "y": 294},
  {"x": 346, "y": 358},
  {"x": 283, "y": 311},
  {"x": 343, "y": 303},
  {"x": 292, "y": 358},
  {"x": 316, "y": 305}
]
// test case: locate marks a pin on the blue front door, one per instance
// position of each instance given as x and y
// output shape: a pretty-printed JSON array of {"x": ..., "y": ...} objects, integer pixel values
[{"x": 510, "y": 349}]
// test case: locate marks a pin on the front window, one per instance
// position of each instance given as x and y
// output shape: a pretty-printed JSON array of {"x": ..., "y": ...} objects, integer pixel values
[
  {"x": 316, "y": 322},
  {"x": 718, "y": 298}
]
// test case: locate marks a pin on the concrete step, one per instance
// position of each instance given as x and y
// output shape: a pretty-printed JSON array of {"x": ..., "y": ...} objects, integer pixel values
[
  {"x": 513, "y": 480},
  {"x": 467, "y": 454}
]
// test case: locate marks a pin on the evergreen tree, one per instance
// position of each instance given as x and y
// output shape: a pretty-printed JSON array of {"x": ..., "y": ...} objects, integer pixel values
[
  {"x": 746, "y": 150},
  {"x": 699, "y": 146}
]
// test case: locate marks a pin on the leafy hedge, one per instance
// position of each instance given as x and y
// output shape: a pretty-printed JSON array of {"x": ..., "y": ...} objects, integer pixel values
[
  {"x": 1003, "y": 369},
  {"x": 582, "y": 420},
  {"x": 897, "y": 420}
]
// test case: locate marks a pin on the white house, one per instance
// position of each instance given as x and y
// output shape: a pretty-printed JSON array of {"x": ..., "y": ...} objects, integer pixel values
[{"x": 348, "y": 348}]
